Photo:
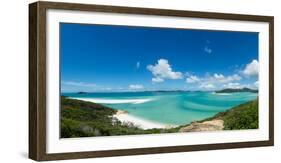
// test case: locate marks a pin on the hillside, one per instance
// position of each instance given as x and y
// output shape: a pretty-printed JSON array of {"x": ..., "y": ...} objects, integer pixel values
[
  {"x": 244, "y": 116},
  {"x": 85, "y": 119},
  {"x": 232, "y": 90}
]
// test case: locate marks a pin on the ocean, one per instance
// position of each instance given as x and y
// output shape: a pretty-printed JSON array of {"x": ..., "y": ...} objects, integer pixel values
[{"x": 171, "y": 108}]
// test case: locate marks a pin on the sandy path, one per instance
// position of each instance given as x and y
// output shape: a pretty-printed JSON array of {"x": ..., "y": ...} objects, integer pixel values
[{"x": 212, "y": 125}]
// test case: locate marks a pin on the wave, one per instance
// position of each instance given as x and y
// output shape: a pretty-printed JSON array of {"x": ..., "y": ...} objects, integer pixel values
[{"x": 114, "y": 101}]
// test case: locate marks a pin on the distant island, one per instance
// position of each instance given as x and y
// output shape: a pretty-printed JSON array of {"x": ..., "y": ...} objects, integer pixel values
[
  {"x": 82, "y": 92},
  {"x": 233, "y": 90},
  {"x": 227, "y": 90}
]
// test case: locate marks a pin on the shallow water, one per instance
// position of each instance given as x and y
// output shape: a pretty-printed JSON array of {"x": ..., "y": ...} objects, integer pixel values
[{"x": 174, "y": 108}]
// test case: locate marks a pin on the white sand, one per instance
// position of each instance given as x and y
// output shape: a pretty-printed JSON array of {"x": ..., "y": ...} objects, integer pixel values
[
  {"x": 125, "y": 117},
  {"x": 144, "y": 124},
  {"x": 113, "y": 101}
]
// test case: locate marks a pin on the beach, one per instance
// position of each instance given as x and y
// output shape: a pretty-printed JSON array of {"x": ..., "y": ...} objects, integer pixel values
[
  {"x": 114, "y": 101},
  {"x": 125, "y": 117}
]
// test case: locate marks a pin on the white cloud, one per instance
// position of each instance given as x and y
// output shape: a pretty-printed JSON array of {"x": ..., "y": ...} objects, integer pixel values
[
  {"x": 256, "y": 84},
  {"x": 251, "y": 69},
  {"x": 208, "y": 50},
  {"x": 218, "y": 76},
  {"x": 162, "y": 70},
  {"x": 215, "y": 79},
  {"x": 207, "y": 86},
  {"x": 135, "y": 86},
  {"x": 106, "y": 89},
  {"x": 157, "y": 80},
  {"x": 210, "y": 82},
  {"x": 78, "y": 84},
  {"x": 192, "y": 79},
  {"x": 233, "y": 85},
  {"x": 138, "y": 65},
  {"x": 224, "y": 79}
]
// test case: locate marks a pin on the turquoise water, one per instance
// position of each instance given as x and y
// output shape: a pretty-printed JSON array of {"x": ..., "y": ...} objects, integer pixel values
[{"x": 174, "y": 108}]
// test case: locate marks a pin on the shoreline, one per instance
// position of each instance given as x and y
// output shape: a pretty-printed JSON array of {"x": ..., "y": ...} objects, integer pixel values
[
  {"x": 113, "y": 101},
  {"x": 213, "y": 123},
  {"x": 125, "y": 117},
  {"x": 209, "y": 125}
]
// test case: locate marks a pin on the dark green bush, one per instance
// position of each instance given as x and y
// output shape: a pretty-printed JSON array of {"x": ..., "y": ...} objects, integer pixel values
[{"x": 244, "y": 116}]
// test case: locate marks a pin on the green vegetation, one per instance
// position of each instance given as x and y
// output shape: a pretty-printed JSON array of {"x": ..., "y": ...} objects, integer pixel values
[
  {"x": 244, "y": 116},
  {"x": 86, "y": 119},
  {"x": 232, "y": 90}
]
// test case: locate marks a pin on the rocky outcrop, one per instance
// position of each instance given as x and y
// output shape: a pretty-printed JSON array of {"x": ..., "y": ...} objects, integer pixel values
[{"x": 212, "y": 125}]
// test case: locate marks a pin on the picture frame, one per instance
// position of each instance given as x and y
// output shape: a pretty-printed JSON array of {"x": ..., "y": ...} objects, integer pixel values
[{"x": 40, "y": 64}]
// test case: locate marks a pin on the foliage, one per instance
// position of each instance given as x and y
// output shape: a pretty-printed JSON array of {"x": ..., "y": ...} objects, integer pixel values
[
  {"x": 85, "y": 119},
  {"x": 244, "y": 116}
]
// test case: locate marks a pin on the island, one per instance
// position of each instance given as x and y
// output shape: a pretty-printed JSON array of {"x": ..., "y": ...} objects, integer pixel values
[
  {"x": 233, "y": 90},
  {"x": 82, "y": 92}
]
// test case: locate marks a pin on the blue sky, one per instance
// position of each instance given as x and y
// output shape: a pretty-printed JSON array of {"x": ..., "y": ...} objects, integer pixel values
[{"x": 120, "y": 58}]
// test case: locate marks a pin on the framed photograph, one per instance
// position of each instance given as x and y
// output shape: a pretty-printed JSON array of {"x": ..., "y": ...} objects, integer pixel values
[{"x": 112, "y": 81}]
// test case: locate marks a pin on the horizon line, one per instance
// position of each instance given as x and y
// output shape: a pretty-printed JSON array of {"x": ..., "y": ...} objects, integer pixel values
[{"x": 176, "y": 90}]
